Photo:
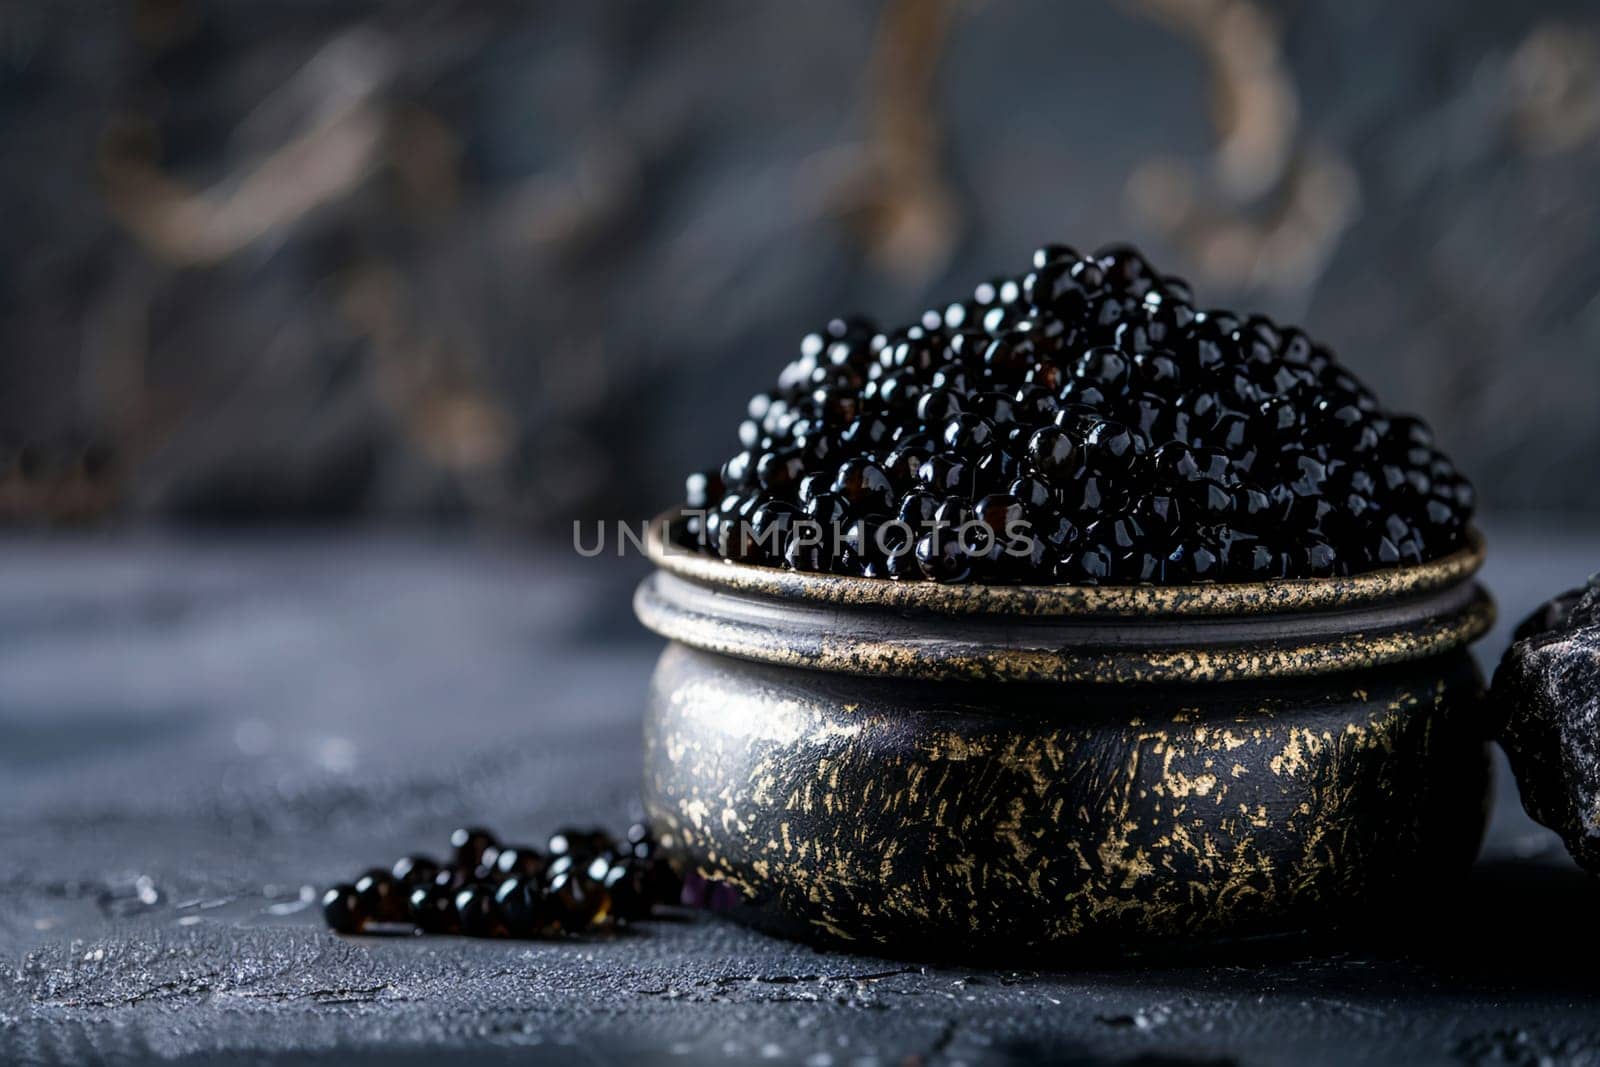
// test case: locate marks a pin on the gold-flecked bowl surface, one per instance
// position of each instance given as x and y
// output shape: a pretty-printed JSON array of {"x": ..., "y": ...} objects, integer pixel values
[{"x": 979, "y": 771}]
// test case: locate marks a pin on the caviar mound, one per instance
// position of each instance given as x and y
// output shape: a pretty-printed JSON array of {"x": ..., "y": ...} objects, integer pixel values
[{"x": 1084, "y": 423}]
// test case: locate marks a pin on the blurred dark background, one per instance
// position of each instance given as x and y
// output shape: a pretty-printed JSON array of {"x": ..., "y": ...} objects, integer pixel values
[{"x": 517, "y": 263}]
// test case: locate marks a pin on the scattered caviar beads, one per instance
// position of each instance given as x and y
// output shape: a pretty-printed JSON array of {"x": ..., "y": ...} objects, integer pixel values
[{"x": 585, "y": 880}]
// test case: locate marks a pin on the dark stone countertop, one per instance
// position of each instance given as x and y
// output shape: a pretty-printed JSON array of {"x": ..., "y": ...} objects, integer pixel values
[{"x": 193, "y": 731}]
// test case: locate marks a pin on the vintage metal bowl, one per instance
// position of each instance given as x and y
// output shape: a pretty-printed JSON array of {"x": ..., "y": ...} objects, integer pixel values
[{"x": 967, "y": 770}]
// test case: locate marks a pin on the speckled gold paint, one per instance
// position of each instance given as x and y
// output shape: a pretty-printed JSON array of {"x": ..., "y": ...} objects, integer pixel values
[
  {"x": 853, "y": 653},
  {"x": 1024, "y": 780},
  {"x": 1069, "y": 830},
  {"x": 1046, "y": 600}
]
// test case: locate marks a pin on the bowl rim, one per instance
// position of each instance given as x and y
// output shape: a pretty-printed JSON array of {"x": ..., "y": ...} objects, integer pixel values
[{"x": 1291, "y": 595}]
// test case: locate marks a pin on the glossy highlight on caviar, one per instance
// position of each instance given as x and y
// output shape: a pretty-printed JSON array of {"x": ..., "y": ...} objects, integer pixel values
[{"x": 1102, "y": 427}]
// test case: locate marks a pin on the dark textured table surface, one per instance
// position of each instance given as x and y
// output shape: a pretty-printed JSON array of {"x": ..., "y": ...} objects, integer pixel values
[{"x": 196, "y": 731}]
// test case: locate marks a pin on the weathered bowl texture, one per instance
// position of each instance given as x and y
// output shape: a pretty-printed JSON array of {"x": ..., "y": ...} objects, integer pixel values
[{"x": 964, "y": 770}]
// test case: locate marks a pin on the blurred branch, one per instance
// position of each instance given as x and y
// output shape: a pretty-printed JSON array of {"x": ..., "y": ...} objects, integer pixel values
[
  {"x": 1253, "y": 103},
  {"x": 339, "y": 147},
  {"x": 190, "y": 227},
  {"x": 317, "y": 139},
  {"x": 894, "y": 195},
  {"x": 43, "y": 485},
  {"x": 1553, "y": 83},
  {"x": 1273, "y": 207},
  {"x": 432, "y": 388}
]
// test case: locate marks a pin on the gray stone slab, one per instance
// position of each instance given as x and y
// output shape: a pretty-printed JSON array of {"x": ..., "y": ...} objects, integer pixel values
[{"x": 194, "y": 731}]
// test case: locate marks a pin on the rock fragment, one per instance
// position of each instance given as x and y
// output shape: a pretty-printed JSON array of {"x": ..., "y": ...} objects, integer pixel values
[{"x": 1546, "y": 695}]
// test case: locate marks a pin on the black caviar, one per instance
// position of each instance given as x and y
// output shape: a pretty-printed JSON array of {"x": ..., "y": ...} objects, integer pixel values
[
  {"x": 584, "y": 881},
  {"x": 1083, "y": 423}
]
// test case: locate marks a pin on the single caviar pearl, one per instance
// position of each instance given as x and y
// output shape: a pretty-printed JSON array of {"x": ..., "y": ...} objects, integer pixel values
[
  {"x": 433, "y": 909},
  {"x": 1092, "y": 563},
  {"x": 1011, "y": 355},
  {"x": 995, "y": 469},
  {"x": 1145, "y": 567},
  {"x": 1112, "y": 445},
  {"x": 471, "y": 843},
  {"x": 1160, "y": 514},
  {"x": 1052, "y": 451},
  {"x": 967, "y": 434},
  {"x": 522, "y": 906},
  {"x": 958, "y": 314},
  {"x": 942, "y": 559},
  {"x": 627, "y": 883},
  {"x": 382, "y": 897},
  {"x": 1034, "y": 493},
  {"x": 1046, "y": 254},
  {"x": 1052, "y": 288},
  {"x": 1031, "y": 406},
  {"x": 937, "y": 406},
  {"x": 863, "y": 485},
  {"x": 415, "y": 870},
  {"x": 945, "y": 473},
  {"x": 475, "y": 907},
  {"x": 702, "y": 490},
  {"x": 343, "y": 909},
  {"x": 770, "y": 526},
  {"x": 562, "y": 864},
  {"x": 664, "y": 881},
  {"x": 805, "y": 550},
  {"x": 917, "y": 509},
  {"x": 1321, "y": 559},
  {"x": 828, "y": 510},
  {"x": 781, "y": 470},
  {"x": 522, "y": 860},
  {"x": 1000, "y": 514},
  {"x": 577, "y": 902},
  {"x": 900, "y": 464}
]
